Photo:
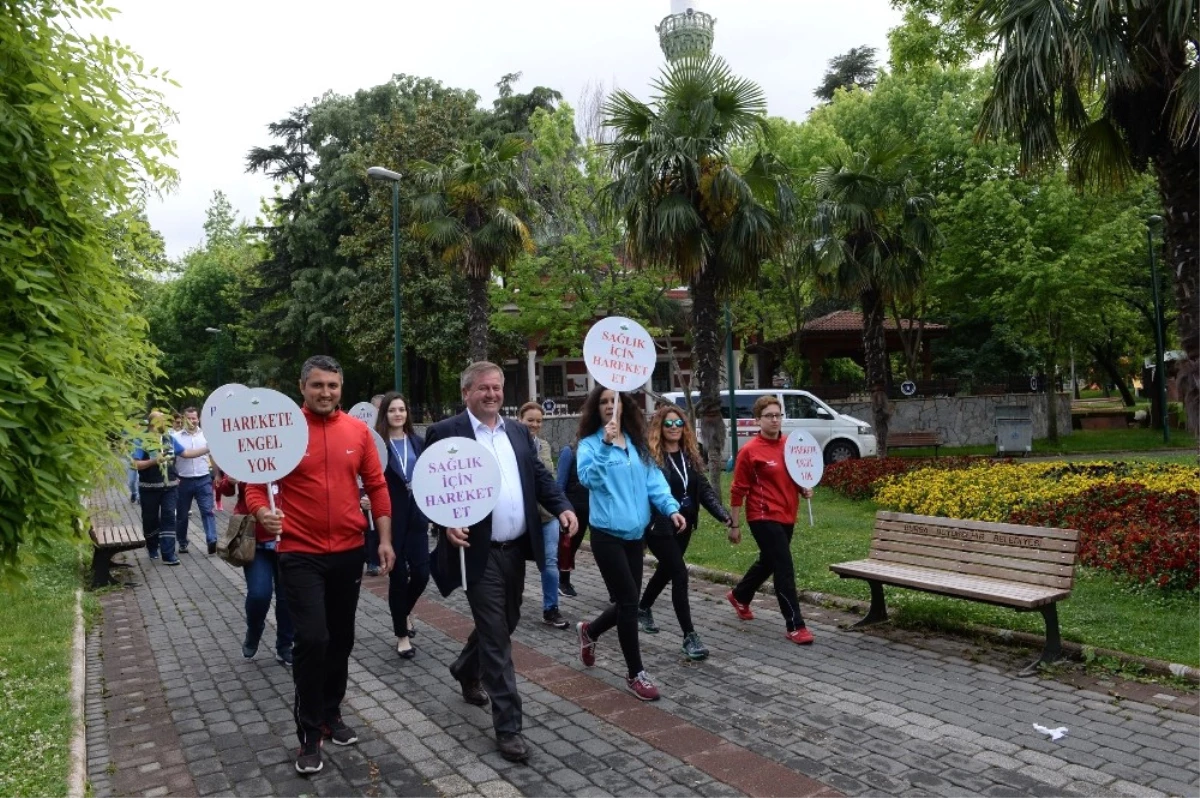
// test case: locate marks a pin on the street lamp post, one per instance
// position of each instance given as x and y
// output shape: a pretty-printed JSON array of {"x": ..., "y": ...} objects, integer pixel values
[
  {"x": 1160, "y": 365},
  {"x": 733, "y": 421},
  {"x": 379, "y": 173},
  {"x": 217, "y": 332}
]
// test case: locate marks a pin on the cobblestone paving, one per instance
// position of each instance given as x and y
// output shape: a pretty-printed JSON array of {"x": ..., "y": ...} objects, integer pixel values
[{"x": 856, "y": 714}]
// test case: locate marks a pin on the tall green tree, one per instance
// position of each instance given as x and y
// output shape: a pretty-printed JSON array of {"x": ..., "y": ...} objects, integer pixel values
[
  {"x": 871, "y": 236},
  {"x": 686, "y": 206},
  {"x": 853, "y": 68},
  {"x": 1117, "y": 87},
  {"x": 475, "y": 213},
  {"x": 81, "y": 142}
]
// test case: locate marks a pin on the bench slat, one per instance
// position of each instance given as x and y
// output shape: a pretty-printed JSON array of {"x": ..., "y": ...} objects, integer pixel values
[
  {"x": 954, "y": 569},
  {"x": 913, "y": 439},
  {"x": 952, "y": 557},
  {"x": 990, "y": 590},
  {"x": 947, "y": 536},
  {"x": 1050, "y": 551},
  {"x": 985, "y": 526}
]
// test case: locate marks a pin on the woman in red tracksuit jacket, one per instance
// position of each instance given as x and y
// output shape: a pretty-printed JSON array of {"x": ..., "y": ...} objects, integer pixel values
[
  {"x": 761, "y": 482},
  {"x": 262, "y": 581}
]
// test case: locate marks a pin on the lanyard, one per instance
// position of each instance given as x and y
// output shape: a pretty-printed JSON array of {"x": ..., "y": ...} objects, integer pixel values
[
  {"x": 403, "y": 458},
  {"x": 683, "y": 475}
]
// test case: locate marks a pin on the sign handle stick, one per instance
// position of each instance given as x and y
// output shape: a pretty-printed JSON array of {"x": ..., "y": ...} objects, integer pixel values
[
  {"x": 462, "y": 566},
  {"x": 810, "y": 516},
  {"x": 271, "y": 500},
  {"x": 370, "y": 518}
]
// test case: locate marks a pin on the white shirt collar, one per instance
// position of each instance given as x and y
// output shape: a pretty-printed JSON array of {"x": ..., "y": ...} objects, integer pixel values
[{"x": 476, "y": 424}]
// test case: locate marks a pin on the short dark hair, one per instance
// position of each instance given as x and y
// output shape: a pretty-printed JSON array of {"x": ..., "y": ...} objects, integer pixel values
[
  {"x": 322, "y": 362},
  {"x": 187, "y": 410}
]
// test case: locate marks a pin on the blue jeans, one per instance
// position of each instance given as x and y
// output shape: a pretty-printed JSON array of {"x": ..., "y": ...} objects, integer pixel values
[
  {"x": 550, "y": 532},
  {"x": 202, "y": 489},
  {"x": 131, "y": 478},
  {"x": 262, "y": 581}
]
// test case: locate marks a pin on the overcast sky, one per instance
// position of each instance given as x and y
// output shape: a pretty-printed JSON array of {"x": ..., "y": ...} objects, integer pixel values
[{"x": 242, "y": 65}]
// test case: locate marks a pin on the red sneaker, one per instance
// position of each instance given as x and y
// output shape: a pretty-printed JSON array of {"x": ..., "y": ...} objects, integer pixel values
[
  {"x": 587, "y": 646},
  {"x": 642, "y": 687},
  {"x": 801, "y": 637},
  {"x": 743, "y": 610}
]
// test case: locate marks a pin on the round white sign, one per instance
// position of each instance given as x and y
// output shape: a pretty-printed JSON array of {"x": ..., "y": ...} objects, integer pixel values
[
  {"x": 214, "y": 398},
  {"x": 381, "y": 448},
  {"x": 456, "y": 482},
  {"x": 258, "y": 435},
  {"x": 366, "y": 413},
  {"x": 619, "y": 353},
  {"x": 805, "y": 463}
]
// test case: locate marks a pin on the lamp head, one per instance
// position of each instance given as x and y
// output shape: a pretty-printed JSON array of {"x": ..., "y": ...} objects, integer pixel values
[
  {"x": 1154, "y": 220},
  {"x": 213, "y": 330},
  {"x": 379, "y": 173}
]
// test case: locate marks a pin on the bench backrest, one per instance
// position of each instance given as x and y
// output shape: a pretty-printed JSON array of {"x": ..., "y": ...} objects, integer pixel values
[
  {"x": 1032, "y": 555},
  {"x": 922, "y": 436}
]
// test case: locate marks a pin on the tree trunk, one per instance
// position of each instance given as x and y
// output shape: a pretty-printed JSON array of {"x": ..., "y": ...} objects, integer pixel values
[
  {"x": 478, "y": 317},
  {"x": 875, "y": 349},
  {"x": 1178, "y": 174},
  {"x": 1106, "y": 360},
  {"x": 706, "y": 371}
]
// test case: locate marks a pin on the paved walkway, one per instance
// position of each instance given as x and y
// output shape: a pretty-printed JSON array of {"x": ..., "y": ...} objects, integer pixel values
[{"x": 173, "y": 709}]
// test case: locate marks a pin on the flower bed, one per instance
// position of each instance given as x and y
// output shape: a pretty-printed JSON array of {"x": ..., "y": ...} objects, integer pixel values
[{"x": 858, "y": 479}]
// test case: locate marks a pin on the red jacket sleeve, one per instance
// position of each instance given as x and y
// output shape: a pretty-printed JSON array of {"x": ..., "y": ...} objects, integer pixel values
[
  {"x": 226, "y": 486},
  {"x": 743, "y": 471},
  {"x": 373, "y": 479},
  {"x": 256, "y": 498}
]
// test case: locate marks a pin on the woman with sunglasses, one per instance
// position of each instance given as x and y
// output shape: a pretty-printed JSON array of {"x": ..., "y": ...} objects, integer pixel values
[
  {"x": 673, "y": 447},
  {"x": 615, "y": 465},
  {"x": 761, "y": 482}
]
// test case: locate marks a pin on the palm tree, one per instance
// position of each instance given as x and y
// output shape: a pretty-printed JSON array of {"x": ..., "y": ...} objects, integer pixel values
[
  {"x": 474, "y": 213},
  {"x": 684, "y": 203},
  {"x": 870, "y": 239},
  {"x": 1118, "y": 86}
]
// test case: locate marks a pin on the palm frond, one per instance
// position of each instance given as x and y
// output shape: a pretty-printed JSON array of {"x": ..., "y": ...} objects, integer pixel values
[
  {"x": 1100, "y": 155},
  {"x": 1186, "y": 96}
]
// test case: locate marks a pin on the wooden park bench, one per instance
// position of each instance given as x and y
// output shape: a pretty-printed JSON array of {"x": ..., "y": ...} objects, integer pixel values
[
  {"x": 114, "y": 527},
  {"x": 1023, "y": 567},
  {"x": 919, "y": 439}
]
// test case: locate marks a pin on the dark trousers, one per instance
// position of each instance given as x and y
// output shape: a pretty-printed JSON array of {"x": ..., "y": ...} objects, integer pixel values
[
  {"x": 371, "y": 547},
  {"x": 669, "y": 550},
  {"x": 568, "y": 546},
  {"x": 408, "y": 579},
  {"x": 262, "y": 582},
  {"x": 487, "y": 657},
  {"x": 774, "y": 560},
  {"x": 322, "y": 596},
  {"x": 158, "y": 520},
  {"x": 620, "y": 563}
]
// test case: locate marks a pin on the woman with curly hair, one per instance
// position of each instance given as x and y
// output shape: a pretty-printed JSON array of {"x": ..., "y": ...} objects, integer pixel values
[
  {"x": 673, "y": 447},
  {"x": 615, "y": 465}
]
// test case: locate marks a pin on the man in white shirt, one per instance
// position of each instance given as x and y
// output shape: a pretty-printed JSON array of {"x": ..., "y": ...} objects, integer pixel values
[
  {"x": 496, "y": 550},
  {"x": 195, "y": 480}
]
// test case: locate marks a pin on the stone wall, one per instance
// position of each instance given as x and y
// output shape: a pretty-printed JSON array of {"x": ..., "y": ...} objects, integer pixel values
[{"x": 963, "y": 420}]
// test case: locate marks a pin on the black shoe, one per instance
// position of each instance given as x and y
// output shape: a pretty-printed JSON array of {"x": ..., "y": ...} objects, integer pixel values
[
  {"x": 564, "y": 585},
  {"x": 183, "y": 549},
  {"x": 512, "y": 747},
  {"x": 473, "y": 693},
  {"x": 172, "y": 561},
  {"x": 248, "y": 649},
  {"x": 212, "y": 548},
  {"x": 154, "y": 555},
  {"x": 308, "y": 760},
  {"x": 646, "y": 621},
  {"x": 552, "y": 617},
  {"x": 337, "y": 731},
  {"x": 284, "y": 656},
  {"x": 693, "y": 649}
]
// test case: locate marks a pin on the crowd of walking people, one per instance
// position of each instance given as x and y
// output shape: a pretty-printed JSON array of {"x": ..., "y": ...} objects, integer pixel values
[{"x": 634, "y": 484}]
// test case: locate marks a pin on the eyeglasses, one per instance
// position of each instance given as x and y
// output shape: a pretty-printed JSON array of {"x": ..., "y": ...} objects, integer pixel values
[
  {"x": 674, "y": 422},
  {"x": 771, "y": 416}
]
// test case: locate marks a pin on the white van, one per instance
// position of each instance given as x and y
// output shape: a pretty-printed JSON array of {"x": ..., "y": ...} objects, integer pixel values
[{"x": 841, "y": 437}]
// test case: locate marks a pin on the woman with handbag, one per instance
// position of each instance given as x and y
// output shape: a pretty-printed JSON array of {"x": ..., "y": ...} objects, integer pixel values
[
  {"x": 262, "y": 580},
  {"x": 410, "y": 529}
]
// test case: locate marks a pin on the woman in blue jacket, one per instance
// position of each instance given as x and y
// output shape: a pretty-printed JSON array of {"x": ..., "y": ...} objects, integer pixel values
[
  {"x": 410, "y": 529},
  {"x": 615, "y": 466}
]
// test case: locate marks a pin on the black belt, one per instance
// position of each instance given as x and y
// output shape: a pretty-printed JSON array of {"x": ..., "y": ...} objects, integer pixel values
[
  {"x": 504, "y": 545},
  {"x": 202, "y": 476}
]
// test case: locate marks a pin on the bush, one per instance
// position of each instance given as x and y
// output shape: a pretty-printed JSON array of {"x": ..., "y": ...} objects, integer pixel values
[
  {"x": 1145, "y": 535},
  {"x": 858, "y": 479}
]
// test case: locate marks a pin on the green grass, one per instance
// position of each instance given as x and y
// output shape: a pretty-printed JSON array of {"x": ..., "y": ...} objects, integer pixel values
[
  {"x": 37, "y": 620},
  {"x": 1102, "y": 611},
  {"x": 1080, "y": 442}
]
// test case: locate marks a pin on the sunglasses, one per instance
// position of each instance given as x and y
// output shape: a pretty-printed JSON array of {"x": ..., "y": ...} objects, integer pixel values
[{"x": 673, "y": 422}]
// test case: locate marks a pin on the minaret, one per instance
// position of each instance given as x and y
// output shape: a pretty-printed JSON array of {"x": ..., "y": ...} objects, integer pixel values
[{"x": 686, "y": 32}]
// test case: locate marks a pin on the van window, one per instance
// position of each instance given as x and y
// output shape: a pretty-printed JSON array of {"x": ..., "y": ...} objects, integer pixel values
[
  {"x": 745, "y": 404},
  {"x": 799, "y": 406}
]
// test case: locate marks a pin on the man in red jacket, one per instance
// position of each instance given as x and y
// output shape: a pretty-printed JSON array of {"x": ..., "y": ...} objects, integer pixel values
[{"x": 320, "y": 527}]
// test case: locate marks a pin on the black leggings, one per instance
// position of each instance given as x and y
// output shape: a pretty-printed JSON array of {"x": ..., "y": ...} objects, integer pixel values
[
  {"x": 669, "y": 549},
  {"x": 620, "y": 563},
  {"x": 774, "y": 560}
]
